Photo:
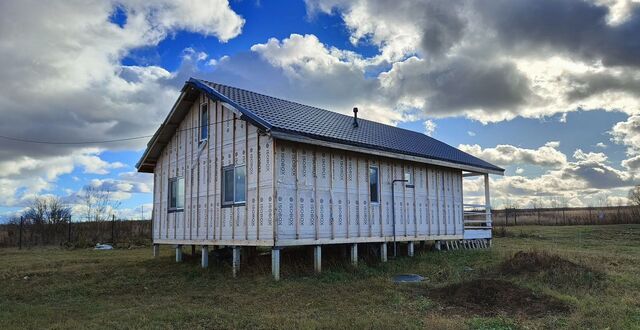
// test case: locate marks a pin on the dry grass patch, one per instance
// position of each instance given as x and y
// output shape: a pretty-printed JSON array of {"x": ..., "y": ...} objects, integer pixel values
[
  {"x": 552, "y": 269},
  {"x": 489, "y": 297}
]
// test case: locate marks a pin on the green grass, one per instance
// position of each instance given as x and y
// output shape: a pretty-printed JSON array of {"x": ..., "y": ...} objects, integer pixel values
[{"x": 56, "y": 288}]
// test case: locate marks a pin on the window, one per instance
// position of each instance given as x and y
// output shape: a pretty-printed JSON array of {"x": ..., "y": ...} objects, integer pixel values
[
  {"x": 240, "y": 185},
  {"x": 204, "y": 122},
  {"x": 234, "y": 185},
  {"x": 374, "y": 186},
  {"x": 176, "y": 194}
]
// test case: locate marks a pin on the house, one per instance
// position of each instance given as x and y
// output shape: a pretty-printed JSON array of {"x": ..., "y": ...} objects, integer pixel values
[{"x": 236, "y": 168}]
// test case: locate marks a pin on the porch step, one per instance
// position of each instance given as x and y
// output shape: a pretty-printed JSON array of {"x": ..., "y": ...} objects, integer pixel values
[{"x": 463, "y": 244}]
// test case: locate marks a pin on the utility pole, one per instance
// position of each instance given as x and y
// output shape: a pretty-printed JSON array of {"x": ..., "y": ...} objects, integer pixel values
[
  {"x": 69, "y": 230},
  {"x": 20, "y": 235},
  {"x": 113, "y": 223}
]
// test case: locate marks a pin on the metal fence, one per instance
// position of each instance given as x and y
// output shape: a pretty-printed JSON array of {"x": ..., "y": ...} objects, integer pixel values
[
  {"x": 79, "y": 234},
  {"x": 567, "y": 216}
]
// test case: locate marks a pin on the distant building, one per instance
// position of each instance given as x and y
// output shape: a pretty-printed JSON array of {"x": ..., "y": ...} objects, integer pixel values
[{"x": 237, "y": 168}]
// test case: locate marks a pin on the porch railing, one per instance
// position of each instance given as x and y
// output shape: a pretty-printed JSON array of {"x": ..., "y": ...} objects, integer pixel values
[{"x": 476, "y": 216}]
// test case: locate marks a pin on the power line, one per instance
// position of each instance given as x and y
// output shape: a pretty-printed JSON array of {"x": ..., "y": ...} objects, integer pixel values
[
  {"x": 71, "y": 143},
  {"x": 10, "y": 138}
]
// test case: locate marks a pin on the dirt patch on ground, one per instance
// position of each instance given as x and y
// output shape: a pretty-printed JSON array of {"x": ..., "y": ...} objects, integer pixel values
[
  {"x": 552, "y": 268},
  {"x": 488, "y": 297}
]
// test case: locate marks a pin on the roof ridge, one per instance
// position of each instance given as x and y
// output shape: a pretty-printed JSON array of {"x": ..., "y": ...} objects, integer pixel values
[{"x": 318, "y": 108}]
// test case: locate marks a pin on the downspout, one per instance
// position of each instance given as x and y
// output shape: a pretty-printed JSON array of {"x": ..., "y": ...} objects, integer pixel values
[{"x": 393, "y": 213}]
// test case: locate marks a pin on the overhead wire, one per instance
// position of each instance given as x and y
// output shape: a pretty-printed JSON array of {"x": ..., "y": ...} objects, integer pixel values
[{"x": 16, "y": 139}]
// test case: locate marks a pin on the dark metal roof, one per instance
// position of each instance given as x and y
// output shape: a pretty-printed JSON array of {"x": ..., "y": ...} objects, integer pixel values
[
  {"x": 278, "y": 115},
  {"x": 296, "y": 118}
]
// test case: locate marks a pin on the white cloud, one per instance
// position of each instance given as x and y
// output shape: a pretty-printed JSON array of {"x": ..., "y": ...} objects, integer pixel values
[
  {"x": 303, "y": 69},
  {"x": 23, "y": 177},
  {"x": 95, "y": 165},
  {"x": 547, "y": 155},
  {"x": 63, "y": 80},
  {"x": 580, "y": 182},
  {"x": 430, "y": 127},
  {"x": 628, "y": 133},
  {"x": 136, "y": 213},
  {"x": 447, "y": 57},
  {"x": 471, "y": 133},
  {"x": 120, "y": 189},
  {"x": 632, "y": 163},
  {"x": 563, "y": 118}
]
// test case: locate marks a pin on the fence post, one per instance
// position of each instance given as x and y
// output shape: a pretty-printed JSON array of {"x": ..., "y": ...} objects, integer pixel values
[
  {"x": 506, "y": 216},
  {"x": 20, "y": 235},
  {"x": 113, "y": 222},
  {"x": 69, "y": 230}
]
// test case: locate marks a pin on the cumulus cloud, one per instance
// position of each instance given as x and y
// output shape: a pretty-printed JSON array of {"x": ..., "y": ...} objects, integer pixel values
[
  {"x": 301, "y": 68},
  {"x": 23, "y": 177},
  {"x": 547, "y": 155},
  {"x": 632, "y": 163},
  {"x": 573, "y": 27},
  {"x": 492, "y": 61},
  {"x": 430, "y": 127},
  {"x": 120, "y": 189},
  {"x": 628, "y": 133},
  {"x": 594, "y": 170},
  {"x": 574, "y": 181},
  {"x": 63, "y": 80}
]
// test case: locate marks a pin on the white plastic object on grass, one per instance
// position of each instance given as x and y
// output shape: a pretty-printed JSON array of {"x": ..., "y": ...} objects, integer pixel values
[{"x": 103, "y": 247}]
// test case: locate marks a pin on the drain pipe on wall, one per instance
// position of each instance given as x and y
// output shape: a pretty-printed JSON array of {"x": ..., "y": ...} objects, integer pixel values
[{"x": 393, "y": 212}]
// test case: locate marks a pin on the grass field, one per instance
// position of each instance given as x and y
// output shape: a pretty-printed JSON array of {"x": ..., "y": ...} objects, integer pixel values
[{"x": 570, "y": 277}]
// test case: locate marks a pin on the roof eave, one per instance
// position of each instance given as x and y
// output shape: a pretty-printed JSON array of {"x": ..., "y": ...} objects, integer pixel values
[
  {"x": 283, "y": 135},
  {"x": 245, "y": 114},
  {"x": 143, "y": 165}
]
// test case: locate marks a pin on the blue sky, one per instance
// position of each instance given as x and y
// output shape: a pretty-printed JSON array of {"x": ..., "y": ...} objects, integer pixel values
[{"x": 505, "y": 81}]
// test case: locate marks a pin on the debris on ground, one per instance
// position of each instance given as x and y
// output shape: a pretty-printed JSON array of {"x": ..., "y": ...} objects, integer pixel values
[
  {"x": 552, "y": 268},
  {"x": 489, "y": 297},
  {"x": 408, "y": 278},
  {"x": 103, "y": 247}
]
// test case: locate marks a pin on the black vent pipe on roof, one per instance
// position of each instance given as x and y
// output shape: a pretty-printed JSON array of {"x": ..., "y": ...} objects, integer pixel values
[{"x": 355, "y": 117}]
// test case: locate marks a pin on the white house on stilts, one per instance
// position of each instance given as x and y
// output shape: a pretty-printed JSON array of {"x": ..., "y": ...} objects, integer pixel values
[{"x": 237, "y": 168}]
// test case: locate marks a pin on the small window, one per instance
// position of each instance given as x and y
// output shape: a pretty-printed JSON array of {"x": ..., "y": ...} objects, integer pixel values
[
  {"x": 176, "y": 194},
  {"x": 227, "y": 185},
  {"x": 204, "y": 122},
  {"x": 234, "y": 185},
  {"x": 240, "y": 185},
  {"x": 374, "y": 186}
]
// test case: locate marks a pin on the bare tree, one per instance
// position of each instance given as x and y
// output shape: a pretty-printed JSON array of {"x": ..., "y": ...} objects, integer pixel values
[
  {"x": 57, "y": 210},
  {"x": 47, "y": 210},
  {"x": 36, "y": 211},
  {"x": 536, "y": 204},
  {"x": 14, "y": 220},
  {"x": 634, "y": 196},
  {"x": 98, "y": 203},
  {"x": 511, "y": 206}
]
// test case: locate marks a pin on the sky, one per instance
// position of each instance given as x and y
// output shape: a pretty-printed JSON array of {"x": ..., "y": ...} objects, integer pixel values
[{"x": 547, "y": 89}]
